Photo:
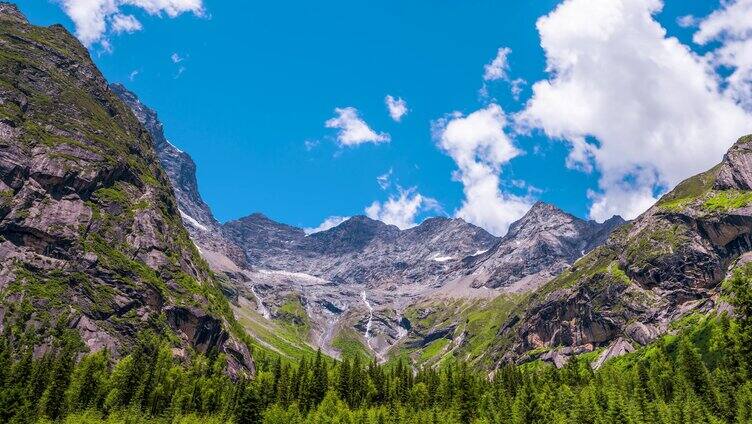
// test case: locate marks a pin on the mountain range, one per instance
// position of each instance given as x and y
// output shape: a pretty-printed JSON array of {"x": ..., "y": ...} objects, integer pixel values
[
  {"x": 354, "y": 282},
  {"x": 104, "y": 236}
]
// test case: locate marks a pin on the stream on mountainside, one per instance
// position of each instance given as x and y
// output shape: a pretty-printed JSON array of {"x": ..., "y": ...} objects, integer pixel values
[
  {"x": 262, "y": 309},
  {"x": 370, "y": 318}
]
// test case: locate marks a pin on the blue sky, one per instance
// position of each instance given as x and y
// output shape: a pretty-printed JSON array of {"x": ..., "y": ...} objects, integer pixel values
[{"x": 253, "y": 84}]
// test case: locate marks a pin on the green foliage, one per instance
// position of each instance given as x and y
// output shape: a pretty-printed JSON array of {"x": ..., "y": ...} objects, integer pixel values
[
  {"x": 294, "y": 314},
  {"x": 652, "y": 243},
  {"x": 478, "y": 321},
  {"x": 727, "y": 200},
  {"x": 434, "y": 348},
  {"x": 688, "y": 191},
  {"x": 349, "y": 344},
  {"x": 6, "y": 198},
  {"x": 698, "y": 375}
]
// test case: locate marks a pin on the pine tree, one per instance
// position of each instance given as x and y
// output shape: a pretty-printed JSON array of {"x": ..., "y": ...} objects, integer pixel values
[
  {"x": 525, "y": 409},
  {"x": 249, "y": 409},
  {"x": 52, "y": 401},
  {"x": 320, "y": 380}
]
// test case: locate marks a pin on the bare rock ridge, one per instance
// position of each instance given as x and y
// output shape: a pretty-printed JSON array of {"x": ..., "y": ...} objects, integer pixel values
[
  {"x": 91, "y": 240},
  {"x": 537, "y": 247},
  {"x": 667, "y": 263},
  {"x": 364, "y": 251},
  {"x": 181, "y": 170},
  {"x": 178, "y": 165}
]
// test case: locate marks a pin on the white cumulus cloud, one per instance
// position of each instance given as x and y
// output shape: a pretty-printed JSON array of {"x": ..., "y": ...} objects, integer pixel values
[
  {"x": 402, "y": 209},
  {"x": 94, "y": 19},
  {"x": 479, "y": 146},
  {"x": 635, "y": 104},
  {"x": 353, "y": 130},
  {"x": 328, "y": 223},
  {"x": 397, "y": 107}
]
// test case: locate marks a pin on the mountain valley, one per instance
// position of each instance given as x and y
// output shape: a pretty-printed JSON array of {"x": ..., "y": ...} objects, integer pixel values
[{"x": 369, "y": 287}]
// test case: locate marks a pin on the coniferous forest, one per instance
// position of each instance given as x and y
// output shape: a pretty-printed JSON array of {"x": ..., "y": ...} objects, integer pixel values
[{"x": 698, "y": 375}]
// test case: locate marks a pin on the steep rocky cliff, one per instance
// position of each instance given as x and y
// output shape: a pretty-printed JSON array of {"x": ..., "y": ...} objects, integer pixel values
[
  {"x": 181, "y": 171},
  {"x": 667, "y": 263},
  {"x": 91, "y": 240}
]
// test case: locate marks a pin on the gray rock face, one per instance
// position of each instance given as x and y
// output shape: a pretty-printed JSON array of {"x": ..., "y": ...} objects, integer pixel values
[
  {"x": 365, "y": 271},
  {"x": 537, "y": 247},
  {"x": 178, "y": 165},
  {"x": 90, "y": 233},
  {"x": 666, "y": 264},
  {"x": 362, "y": 251}
]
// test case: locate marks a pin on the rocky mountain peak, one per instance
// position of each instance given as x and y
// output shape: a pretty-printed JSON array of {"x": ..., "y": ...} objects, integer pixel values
[
  {"x": 537, "y": 247},
  {"x": 147, "y": 116},
  {"x": 179, "y": 166},
  {"x": 352, "y": 235},
  {"x": 10, "y": 12},
  {"x": 667, "y": 263},
  {"x": 263, "y": 226},
  {"x": 542, "y": 216},
  {"x": 735, "y": 172},
  {"x": 364, "y": 225}
]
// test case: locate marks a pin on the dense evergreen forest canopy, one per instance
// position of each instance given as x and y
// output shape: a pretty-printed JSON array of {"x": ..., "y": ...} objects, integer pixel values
[{"x": 700, "y": 374}]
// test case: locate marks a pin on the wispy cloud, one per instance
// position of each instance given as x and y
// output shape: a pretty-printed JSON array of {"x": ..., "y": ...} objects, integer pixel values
[
  {"x": 385, "y": 180},
  {"x": 353, "y": 130},
  {"x": 125, "y": 23},
  {"x": 497, "y": 69},
  {"x": 397, "y": 107},
  {"x": 310, "y": 144},
  {"x": 177, "y": 59}
]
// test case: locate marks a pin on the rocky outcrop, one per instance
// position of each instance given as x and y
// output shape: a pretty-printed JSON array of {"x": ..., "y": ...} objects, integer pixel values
[
  {"x": 667, "y": 263},
  {"x": 538, "y": 247},
  {"x": 90, "y": 233}
]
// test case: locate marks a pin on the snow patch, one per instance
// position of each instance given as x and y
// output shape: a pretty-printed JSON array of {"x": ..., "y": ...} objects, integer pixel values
[
  {"x": 307, "y": 278},
  {"x": 480, "y": 252},
  {"x": 442, "y": 258},
  {"x": 191, "y": 220},
  {"x": 174, "y": 146}
]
